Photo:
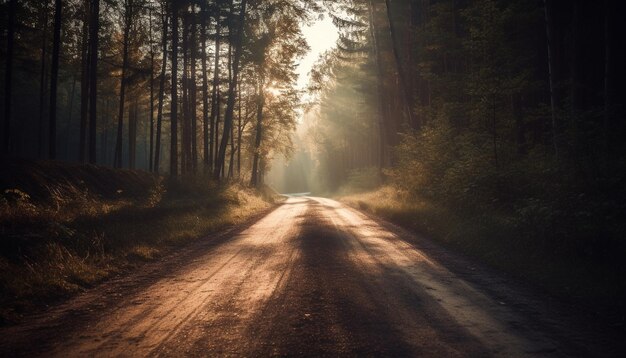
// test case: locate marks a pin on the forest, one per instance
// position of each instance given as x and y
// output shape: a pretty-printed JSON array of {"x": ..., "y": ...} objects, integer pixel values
[
  {"x": 495, "y": 126},
  {"x": 177, "y": 87}
]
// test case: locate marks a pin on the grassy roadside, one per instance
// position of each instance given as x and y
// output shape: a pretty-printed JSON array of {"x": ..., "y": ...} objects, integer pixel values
[
  {"x": 494, "y": 238},
  {"x": 64, "y": 228}
]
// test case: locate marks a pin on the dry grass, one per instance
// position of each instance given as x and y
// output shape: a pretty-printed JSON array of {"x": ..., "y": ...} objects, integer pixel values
[
  {"x": 495, "y": 238},
  {"x": 70, "y": 236}
]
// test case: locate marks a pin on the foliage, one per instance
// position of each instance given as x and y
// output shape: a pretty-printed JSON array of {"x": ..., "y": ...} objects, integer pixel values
[
  {"x": 65, "y": 241},
  {"x": 515, "y": 157},
  {"x": 509, "y": 242},
  {"x": 342, "y": 127},
  {"x": 129, "y": 126}
]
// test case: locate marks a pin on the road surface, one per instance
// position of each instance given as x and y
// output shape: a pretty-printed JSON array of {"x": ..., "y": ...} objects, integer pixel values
[{"x": 311, "y": 278}]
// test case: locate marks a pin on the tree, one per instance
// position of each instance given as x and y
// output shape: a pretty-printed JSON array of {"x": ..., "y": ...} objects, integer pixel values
[
  {"x": 205, "y": 86},
  {"x": 150, "y": 155},
  {"x": 54, "y": 77},
  {"x": 402, "y": 74},
  {"x": 94, "y": 26},
  {"x": 164, "y": 26},
  {"x": 129, "y": 8},
  {"x": 42, "y": 76},
  {"x": 551, "y": 75},
  {"x": 84, "y": 82},
  {"x": 8, "y": 80},
  {"x": 258, "y": 136},
  {"x": 185, "y": 127},
  {"x": 215, "y": 96},
  {"x": 192, "y": 95},
  {"x": 174, "y": 94},
  {"x": 608, "y": 75},
  {"x": 230, "y": 106},
  {"x": 277, "y": 44}
]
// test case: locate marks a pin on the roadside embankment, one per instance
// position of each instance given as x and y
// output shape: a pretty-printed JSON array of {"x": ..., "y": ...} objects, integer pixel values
[
  {"x": 502, "y": 240},
  {"x": 65, "y": 227}
]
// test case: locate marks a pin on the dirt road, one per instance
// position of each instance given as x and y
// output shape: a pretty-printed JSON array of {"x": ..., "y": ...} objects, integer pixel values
[{"x": 313, "y": 277}]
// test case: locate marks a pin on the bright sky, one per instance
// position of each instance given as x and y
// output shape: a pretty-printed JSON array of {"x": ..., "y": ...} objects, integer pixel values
[{"x": 321, "y": 36}]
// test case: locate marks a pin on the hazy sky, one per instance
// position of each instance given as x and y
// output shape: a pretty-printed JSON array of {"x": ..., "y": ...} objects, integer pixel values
[{"x": 321, "y": 36}]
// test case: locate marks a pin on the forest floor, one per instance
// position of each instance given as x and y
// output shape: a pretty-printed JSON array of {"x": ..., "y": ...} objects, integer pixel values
[
  {"x": 67, "y": 227},
  {"x": 311, "y": 278},
  {"x": 596, "y": 289}
]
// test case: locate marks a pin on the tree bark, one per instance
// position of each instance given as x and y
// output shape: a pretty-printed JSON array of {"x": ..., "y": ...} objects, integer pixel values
[
  {"x": 132, "y": 134},
  {"x": 69, "y": 117},
  {"x": 93, "y": 77},
  {"x": 254, "y": 177},
  {"x": 402, "y": 75},
  {"x": 157, "y": 149},
  {"x": 381, "y": 97},
  {"x": 120, "y": 116},
  {"x": 215, "y": 97},
  {"x": 232, "y": 152},
  {"x": 84, "y": 85},
  {"x": 8, "y": 81},
  {"x": 232, "y": 93},
  {"x": 205, "y": 89},
  {"x": 239, "y": 134},
  {"x": 151, "y": 132},
  {"x": 131, "y": 108},
  {"x": 54, "y": 79},
  {"x": 551, "y": 76},
  {"x": 192, "y": 95},
  {"x": 575, "y": 90},
  {"x": 42, "y": 79},
  {"x": 494, "y": 125},
  {"x": 174, "y": 95},
  {"x": 608, "y": 78},
  {"x": 184, "y": 152}
]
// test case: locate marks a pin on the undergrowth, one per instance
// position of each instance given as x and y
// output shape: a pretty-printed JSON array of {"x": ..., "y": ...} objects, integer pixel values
[
  {"x": 72, "y": 234},
  {"x": 500, "y": 239}
]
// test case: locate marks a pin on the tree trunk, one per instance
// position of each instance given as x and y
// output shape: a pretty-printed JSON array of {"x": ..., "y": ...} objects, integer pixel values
[
  {"x": 232, "y": 152},
  {"x": 215, "y": 97},
  {"x": 174, "y": 95},
  {"x": 132, "y": 134},
  {"x": 520, "y": 132},
  {"x": 229, "y": 66},
  {"x": 381, "y": 97},
  {"x": 184, "y": 163},
  {"x": 93, "y": 77},
  {"x": 8, "y": 95},
  {"x": 54, "y": 78},
  {"x": 239, "y": 133},
  {"x": 151, "y": 132},
  {"x": 551, "y": 76},
  {"x": 157, "y": 149},
  {"x": 105, "y": 144},
  {"x": 205, "y": 89},
  {"x": 128, "y": 16},
  {"x": 42, "y": 79},
  {"x": 254, "y": 178},
  {"x": 608, "y": 78},
  {"x": 230, "y": 106},
  {"x": 495, "y": 132},
  {"x": 575, "y": 90},
  {"x": 192, "y": 95},
  {"x": 69, "y": 118},
  {"x": 84, "y": 85},
  {"x": 402, "y": 75}
]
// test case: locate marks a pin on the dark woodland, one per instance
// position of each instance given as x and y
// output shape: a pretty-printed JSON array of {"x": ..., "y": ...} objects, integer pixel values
[{"x": 130, "y": 129}]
